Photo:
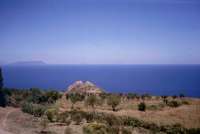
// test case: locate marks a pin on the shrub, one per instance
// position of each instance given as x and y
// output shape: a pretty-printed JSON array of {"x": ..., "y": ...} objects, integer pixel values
[
  {"x": 75, "y": 97},
  {"x": 111, "y": 120},
  {"x": 153, "y": 107},
  {"x": 113, "y": 130},
  {"x": 51, "y": 114},
  {"x": 185, "y": 102},
  {"x": 193, "y": 131},
  {"x": 95, "y": 128},
  {"x": 130, "y": 121},
  {"x": 113, "y": 101},
  {"x": 77, "y": 118},
  {"x": 68, "y": 130},
  {"x": 131, "y": 96},
  {"x": 92, "y": 100},
  {"x": 126, "y": 131},
  {"x": 174, "y": 103},
  {"x": 53, "y": 96},
  {"x": 63, "y": 117},
  {"x": 34, "y": 109},
  {"x": 142, "y": 106}
]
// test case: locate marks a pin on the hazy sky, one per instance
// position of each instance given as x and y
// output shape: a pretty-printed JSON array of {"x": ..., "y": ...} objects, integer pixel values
[{"x": 100, "y": 31}]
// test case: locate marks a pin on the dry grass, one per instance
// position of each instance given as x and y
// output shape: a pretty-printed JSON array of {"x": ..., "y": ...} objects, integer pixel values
[
  {"x": 186, "y": 115},
  {"x": 18, "y": 122}
]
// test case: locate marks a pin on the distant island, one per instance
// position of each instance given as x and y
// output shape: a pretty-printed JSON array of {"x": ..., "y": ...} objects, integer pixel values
[{"x": 27, "y": 63}]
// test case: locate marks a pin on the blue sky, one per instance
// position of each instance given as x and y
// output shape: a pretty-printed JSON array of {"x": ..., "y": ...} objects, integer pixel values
[{"x": 100, "y": 31}]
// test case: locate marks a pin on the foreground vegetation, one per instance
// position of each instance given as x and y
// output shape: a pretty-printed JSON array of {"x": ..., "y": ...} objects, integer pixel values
[{"x": 45, "y": 106}]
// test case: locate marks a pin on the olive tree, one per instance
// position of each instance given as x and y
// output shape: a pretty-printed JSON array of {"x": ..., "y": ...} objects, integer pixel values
[
  {"x": 113, "y": 101},
  {"x": 92, "y": 101},
  {"x": 74, "y": 98}
]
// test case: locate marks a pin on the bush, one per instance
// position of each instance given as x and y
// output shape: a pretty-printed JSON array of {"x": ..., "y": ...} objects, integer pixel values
[
  {"x": 92, "y": 100},
  {"x": 51, "y": 114},
  {"x": 142, "y": 106},
  {"x": 185, "y": 102},
  {"x": 75, "y": 97},
  {"x": 133, "y": 122},
  {"x": 77, "y": 118},
  {"x": 34, "y": 109},
  {"x": 126, "y": 131},
  {"x": 131, "y": 96},
  {"x": 174, "y": 103},
  {"x": 113, "y": 101},
  {"x": 193, "y": 131},
  {"x": 153, "y": 107},
  {"x": 95, "y": 128},
  {"x": 68, "y": 130}
]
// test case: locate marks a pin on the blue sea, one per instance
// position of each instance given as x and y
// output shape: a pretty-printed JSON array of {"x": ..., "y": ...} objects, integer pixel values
[{"x": 153, "y": 79}]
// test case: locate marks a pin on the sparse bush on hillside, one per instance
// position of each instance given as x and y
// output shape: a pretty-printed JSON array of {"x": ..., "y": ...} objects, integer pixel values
[
  {"x": 95, "y": 128},
  {"x": 131, "y": 95},
  {"x": 130, "y": 121},
  {"x": 68, "y": 130},
  {"x": 92, "y": 101},
  {"x": 63, "y": 117},
  {"x": 142, "y": 106},
  {"x": 34, "y": 109},
  {"x": 77, "y": 118},
  {"x": 193, "y": 131},
  {"x": 174, "y": 103},
  {"x": 145, "y": 96},
  {"x": 153, "y": 107},
  {"x": 113, "y": 101},
  {"x": 51, "y": 114},
  {"x": 75, "y": 97},
  {"x": 52, "y": 96},
  {"x": 126, "y": 131},
  {"x": 185, "y": 102}
]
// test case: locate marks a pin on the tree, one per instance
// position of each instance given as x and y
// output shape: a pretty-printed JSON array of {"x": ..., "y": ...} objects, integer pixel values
[
  {"x": 2, "y": 93},
  {"x": 113, "y": 101},
  {"x": 1, "y": 79},
  {"x": 92, "y": 100},
  {"x": 75, "y": 97}
]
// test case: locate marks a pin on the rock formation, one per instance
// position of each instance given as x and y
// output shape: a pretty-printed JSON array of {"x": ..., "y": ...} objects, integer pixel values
[{"x": 84, "y": 87}]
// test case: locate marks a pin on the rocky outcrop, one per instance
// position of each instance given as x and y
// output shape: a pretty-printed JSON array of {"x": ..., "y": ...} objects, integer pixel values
[{"x": 84, "y": 87}]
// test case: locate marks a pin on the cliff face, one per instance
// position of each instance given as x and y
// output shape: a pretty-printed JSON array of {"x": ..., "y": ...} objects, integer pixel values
[{"x": 84, "y": 87}]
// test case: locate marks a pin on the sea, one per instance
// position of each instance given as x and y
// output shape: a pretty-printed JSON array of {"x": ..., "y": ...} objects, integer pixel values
[{"x": 152, "y": 79}]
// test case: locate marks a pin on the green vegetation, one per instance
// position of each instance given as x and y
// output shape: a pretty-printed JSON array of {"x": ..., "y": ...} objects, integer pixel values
[
  {"x": 92, "y": 101},
  {"x": 51, "y": 114},
  {"x": 174, "y": 103},
  {"x": 68, "y": 130},
  {"x": 75, "y": 97},
  {"x": 100, "y": 123},
  {"x": 113, "y": 101},
  {"x": 95, "y": 128},
  {"x": 142, "y": 106},
  {"x": 3, "y": 101},
  {"x": 34, "y": 109}
]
